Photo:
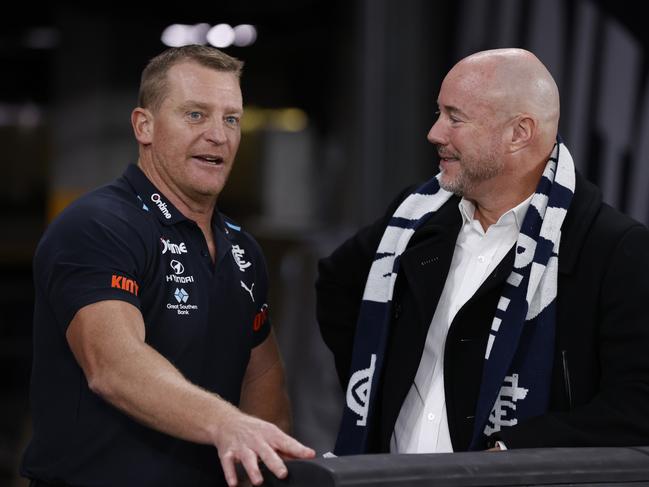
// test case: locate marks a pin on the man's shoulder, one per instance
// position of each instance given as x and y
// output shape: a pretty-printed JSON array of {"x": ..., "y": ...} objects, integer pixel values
[
  {"x": 112, "y": 200},
  {"x": 600, "y": 217},
  {"x": 111, "y": 207},
  {"x": 613, "y": 220},
  {"x": 591, "y": 224}
]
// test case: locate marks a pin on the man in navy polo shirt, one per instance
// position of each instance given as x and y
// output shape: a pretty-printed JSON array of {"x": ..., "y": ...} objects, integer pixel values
[{"x": 152, "y": 343}]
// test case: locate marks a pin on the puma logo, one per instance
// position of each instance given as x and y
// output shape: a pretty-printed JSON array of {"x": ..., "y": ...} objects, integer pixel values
[{"x": 249, "y": 289}]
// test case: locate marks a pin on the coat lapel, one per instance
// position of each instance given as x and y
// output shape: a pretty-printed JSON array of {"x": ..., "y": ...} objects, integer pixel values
[{"x": 426, "y": 261}]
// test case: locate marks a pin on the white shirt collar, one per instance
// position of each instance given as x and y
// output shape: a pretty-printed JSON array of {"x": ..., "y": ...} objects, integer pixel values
[{"x": 513, "y": 216}]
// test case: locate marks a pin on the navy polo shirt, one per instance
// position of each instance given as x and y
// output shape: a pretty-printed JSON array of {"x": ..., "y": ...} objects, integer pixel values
[{"x": 126, "y": 241}]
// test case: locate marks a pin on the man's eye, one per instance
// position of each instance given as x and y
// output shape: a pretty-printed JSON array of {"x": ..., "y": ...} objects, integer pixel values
[
  {"x": 231, "y": 120},
  {"x": 195, "y": 116}
]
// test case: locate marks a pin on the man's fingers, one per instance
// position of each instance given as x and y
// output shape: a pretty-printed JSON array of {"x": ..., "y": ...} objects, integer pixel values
[
  {"x": 291, "y": 447},
  {"x": 272, "y": 460},
  {"x": 227, "y": 463},
  {"x": 249, "y": 462},
  {"x": 253, "y": 439}
]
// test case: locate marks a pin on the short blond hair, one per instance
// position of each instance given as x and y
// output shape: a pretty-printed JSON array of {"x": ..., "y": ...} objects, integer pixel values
[{"x": 153, "y": 84}]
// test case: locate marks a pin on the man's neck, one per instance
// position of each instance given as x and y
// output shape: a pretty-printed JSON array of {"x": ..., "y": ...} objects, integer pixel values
[
  {"x": 198, "y": 209},
  {"x": 494, "y": 200},
  {"x": 488, "y": 210}
]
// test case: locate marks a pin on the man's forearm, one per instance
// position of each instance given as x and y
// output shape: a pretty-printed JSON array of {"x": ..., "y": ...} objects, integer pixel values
[
  {"x": 266, "y": 398},
  {"x": 263, "y": 393}
]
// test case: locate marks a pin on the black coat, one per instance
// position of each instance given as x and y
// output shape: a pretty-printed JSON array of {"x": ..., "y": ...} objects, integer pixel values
[{"x": 600, "y": 378}]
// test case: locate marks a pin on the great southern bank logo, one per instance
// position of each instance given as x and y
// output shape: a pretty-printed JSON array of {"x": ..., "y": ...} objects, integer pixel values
[
  {"x": 181, "y": 295},
  {"x": 181, "y": 306},
  {"x": 162, "y": 206}
]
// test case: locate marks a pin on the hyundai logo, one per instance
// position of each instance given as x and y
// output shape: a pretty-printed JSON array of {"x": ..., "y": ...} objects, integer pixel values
[{"x": 177, "y": 267}]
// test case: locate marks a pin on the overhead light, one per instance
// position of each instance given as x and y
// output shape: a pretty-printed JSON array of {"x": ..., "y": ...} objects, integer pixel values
[
  {"x": 221, "y": 35},
  {"x": 244, "y": 35},
  {"x": 175, "y": 35}
]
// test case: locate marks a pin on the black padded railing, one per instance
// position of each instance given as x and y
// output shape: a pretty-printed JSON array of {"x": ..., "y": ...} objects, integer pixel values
[{"x": 530, "y": 467}]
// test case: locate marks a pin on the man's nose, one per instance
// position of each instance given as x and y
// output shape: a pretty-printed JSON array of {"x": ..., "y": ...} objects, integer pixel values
[
  {"x": 215, "y": 133},
  {"x": 436, "y": 134}
]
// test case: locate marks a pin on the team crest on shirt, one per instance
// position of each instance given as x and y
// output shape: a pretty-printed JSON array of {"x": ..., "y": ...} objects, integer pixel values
[{"x": 238, "y": 254}]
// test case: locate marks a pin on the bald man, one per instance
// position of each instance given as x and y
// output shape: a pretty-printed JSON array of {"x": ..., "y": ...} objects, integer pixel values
[{"x": 499, "y": 305}]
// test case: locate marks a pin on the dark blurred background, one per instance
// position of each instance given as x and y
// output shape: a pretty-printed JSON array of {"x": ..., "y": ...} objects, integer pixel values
[{"x": 339, "y": 97}]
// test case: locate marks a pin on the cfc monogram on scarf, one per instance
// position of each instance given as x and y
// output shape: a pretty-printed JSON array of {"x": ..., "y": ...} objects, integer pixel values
[
  {"x": 358, "y": 391},
  {"x": 523, "y": 328}
]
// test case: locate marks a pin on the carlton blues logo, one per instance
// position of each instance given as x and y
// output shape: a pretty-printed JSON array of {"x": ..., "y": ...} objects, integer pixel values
[{"x": 358, "y": 391}]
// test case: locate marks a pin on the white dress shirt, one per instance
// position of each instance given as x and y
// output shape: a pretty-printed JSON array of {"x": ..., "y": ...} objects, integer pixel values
[{"x": 422, "y": 425}]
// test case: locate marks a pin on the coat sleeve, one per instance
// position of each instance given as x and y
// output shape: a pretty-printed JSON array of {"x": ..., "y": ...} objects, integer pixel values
[
  {"x": 339, "y": 288},
  {"x": 616, "y": 414}
]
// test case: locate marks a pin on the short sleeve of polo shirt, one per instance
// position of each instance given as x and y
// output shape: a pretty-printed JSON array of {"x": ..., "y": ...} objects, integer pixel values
[{"x": 92, "y": 252}]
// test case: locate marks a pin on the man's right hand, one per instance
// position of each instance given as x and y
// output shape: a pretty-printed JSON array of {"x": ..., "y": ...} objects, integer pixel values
[{"x": 245, "y": 439}]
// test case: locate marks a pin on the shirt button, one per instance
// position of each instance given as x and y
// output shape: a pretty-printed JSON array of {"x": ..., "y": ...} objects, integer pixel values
[
  {"x": 204, "y": 253},
  {"x": 431, "y": 416},
  {"x": 397, "y": 311},
  {"x": 481, "y": 259}
]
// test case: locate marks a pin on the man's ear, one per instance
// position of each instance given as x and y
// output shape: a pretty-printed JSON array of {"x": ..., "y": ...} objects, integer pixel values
[
  {"x": 142, "y": 122},
  {"x": 523, "y": 132}
]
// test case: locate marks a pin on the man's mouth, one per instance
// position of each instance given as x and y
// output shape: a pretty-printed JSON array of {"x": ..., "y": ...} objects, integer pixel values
[
  {"x": 447, "y": 158},
  {"x": 209, "y": 159}
]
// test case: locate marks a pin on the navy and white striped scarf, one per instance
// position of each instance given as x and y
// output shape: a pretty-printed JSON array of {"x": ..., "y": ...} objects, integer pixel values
[{"x": 519, "y": 354}]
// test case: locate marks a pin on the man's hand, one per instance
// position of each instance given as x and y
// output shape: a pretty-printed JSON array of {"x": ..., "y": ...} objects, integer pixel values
[
  {"x": 246, "y": 439},
  {"x": 498, "y": 446}
]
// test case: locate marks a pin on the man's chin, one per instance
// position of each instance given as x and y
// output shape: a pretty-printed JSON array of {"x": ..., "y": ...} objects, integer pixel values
[
  {"x": 452, "y": 186},
  {"x": 204, "y": 192}
]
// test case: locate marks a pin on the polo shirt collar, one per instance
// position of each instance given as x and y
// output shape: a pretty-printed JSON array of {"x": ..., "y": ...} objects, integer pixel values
[
  {"x": 155, "y": 202},
  {"x": 152, "y": 199}
]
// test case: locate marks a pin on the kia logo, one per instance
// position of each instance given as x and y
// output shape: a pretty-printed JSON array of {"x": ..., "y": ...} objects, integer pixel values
[{"x": 177, "y": 267}]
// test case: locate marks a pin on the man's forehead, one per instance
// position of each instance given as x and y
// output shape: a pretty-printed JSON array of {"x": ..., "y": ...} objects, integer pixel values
[
  {"x": 203, "y": 86},
  {"x": 194, "y": 73},
  {"x": 466, "y": 91}
]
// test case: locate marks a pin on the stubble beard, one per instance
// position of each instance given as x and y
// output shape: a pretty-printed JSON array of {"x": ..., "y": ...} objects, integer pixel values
[{"x": 470, "y": 174}]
